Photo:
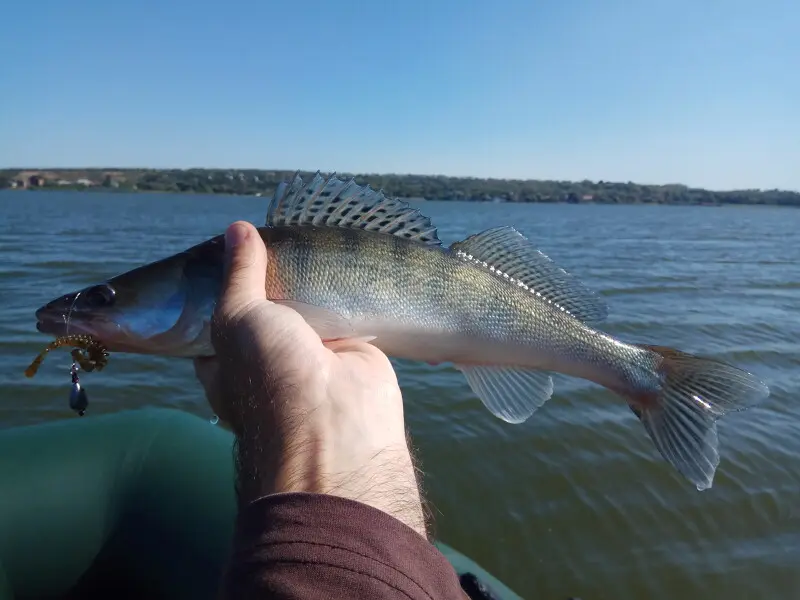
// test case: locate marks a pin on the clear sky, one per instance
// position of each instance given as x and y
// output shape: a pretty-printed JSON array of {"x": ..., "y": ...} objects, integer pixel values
[{"x": 703, "y": 92}]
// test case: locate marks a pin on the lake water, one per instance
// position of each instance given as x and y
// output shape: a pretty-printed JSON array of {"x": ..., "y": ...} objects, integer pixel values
[{"x": 575, "y": 502}]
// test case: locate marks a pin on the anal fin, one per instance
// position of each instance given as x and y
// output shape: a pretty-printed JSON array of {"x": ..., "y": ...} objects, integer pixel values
[{"x": 509, "y": 393}]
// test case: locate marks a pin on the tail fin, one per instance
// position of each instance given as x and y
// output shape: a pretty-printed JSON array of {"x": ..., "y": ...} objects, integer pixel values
[{"x": 681, "y": 418}]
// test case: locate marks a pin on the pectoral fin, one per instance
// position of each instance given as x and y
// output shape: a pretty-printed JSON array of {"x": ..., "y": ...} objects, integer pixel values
[
  {"x": 511, "y": 394},
  {"x": 329, "y": 325}
]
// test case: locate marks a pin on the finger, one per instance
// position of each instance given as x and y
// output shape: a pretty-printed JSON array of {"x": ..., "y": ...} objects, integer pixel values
[
  {"x": 244, "y": 280},
  {"x": 349, "y": 345},
  {"x": 361, "y": 349}
]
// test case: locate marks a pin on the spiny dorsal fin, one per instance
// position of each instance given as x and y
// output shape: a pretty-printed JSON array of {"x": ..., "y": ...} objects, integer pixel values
[
  {"x": 508, "y": 254},
  {"x": 332, "y": 202}
]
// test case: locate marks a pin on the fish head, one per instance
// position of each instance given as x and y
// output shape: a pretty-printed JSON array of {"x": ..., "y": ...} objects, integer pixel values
[{"x": 163, "y": 307}]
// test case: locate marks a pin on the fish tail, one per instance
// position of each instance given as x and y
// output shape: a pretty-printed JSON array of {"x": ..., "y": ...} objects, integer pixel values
[{"x": 681, "y": 416}]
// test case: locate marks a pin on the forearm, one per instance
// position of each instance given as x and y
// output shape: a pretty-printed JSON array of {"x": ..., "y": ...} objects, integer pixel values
[{"x": 308, "y": 546}]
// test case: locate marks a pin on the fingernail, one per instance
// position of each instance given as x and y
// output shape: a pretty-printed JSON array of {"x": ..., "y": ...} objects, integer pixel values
[{"x": 235, "y": 235}]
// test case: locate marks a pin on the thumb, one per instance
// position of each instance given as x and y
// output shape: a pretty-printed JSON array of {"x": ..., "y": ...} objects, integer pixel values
[{"x": 245, "y": 273}]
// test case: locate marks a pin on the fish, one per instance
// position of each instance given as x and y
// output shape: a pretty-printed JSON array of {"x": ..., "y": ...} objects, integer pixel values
[{"x": 356, "y": 263}]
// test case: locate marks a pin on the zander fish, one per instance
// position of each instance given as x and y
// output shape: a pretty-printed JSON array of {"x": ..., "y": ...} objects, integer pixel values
[{"x": 355, "y": 263}]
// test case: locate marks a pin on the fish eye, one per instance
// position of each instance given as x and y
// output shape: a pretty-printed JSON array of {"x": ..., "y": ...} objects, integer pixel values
[{"x": 99, "y": 296}]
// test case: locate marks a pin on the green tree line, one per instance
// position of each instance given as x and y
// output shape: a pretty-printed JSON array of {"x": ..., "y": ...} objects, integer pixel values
[{"x": 430, "y": 187}]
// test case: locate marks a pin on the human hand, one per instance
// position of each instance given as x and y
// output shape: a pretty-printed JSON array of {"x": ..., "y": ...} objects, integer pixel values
[{"x": 308, "y": 416}]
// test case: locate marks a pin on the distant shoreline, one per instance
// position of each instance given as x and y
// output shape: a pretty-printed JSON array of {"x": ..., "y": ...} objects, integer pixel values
[
  {"x": 120, "y": 191},
  {"x": 253, "y": 182}
]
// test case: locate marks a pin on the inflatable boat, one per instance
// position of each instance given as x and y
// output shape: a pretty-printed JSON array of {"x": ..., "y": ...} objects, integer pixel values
[{"x": 136, "y": 504}]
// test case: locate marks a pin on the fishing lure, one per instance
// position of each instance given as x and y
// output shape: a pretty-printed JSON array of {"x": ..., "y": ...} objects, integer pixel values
[{"x": 87, "y": 354}]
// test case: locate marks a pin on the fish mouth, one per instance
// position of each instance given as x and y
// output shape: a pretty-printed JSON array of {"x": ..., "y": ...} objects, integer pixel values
[{"x": 52, "y": 321}]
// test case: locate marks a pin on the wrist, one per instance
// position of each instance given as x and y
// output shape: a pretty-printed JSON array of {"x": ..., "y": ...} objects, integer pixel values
[{"x": 384, "y": 478}]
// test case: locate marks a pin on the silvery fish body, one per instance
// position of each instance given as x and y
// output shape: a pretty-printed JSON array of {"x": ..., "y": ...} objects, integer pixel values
[{"x": 355, "y": 263}]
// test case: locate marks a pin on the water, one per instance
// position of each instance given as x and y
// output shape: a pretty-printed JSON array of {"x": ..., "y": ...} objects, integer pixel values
[{"x": 574, "y": 502}]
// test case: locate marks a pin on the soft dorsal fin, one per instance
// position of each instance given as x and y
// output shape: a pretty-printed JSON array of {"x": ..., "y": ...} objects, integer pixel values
[
  {"x": 332, "y": 202},
  {"x": 508, "y": 254}
]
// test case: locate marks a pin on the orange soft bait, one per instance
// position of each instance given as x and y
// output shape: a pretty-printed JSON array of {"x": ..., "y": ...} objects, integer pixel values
[{"x": 87, "y": 352}]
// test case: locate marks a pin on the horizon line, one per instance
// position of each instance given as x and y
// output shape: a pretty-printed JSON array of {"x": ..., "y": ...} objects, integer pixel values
[{"x": 400, "y": 174}]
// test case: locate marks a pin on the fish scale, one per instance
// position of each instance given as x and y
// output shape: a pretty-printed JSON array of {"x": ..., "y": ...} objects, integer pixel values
[{"x": 355, "y": 263}]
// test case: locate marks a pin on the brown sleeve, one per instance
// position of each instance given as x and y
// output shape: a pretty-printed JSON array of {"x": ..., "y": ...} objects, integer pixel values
[{"x": 308, "y": 546}]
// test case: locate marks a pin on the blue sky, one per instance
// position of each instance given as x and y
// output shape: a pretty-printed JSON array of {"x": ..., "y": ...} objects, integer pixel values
[{"x": 703, "y": 92}]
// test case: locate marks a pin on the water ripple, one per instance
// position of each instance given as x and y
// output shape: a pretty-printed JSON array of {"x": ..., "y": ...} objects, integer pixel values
[{"x": 576, "y": 501}]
